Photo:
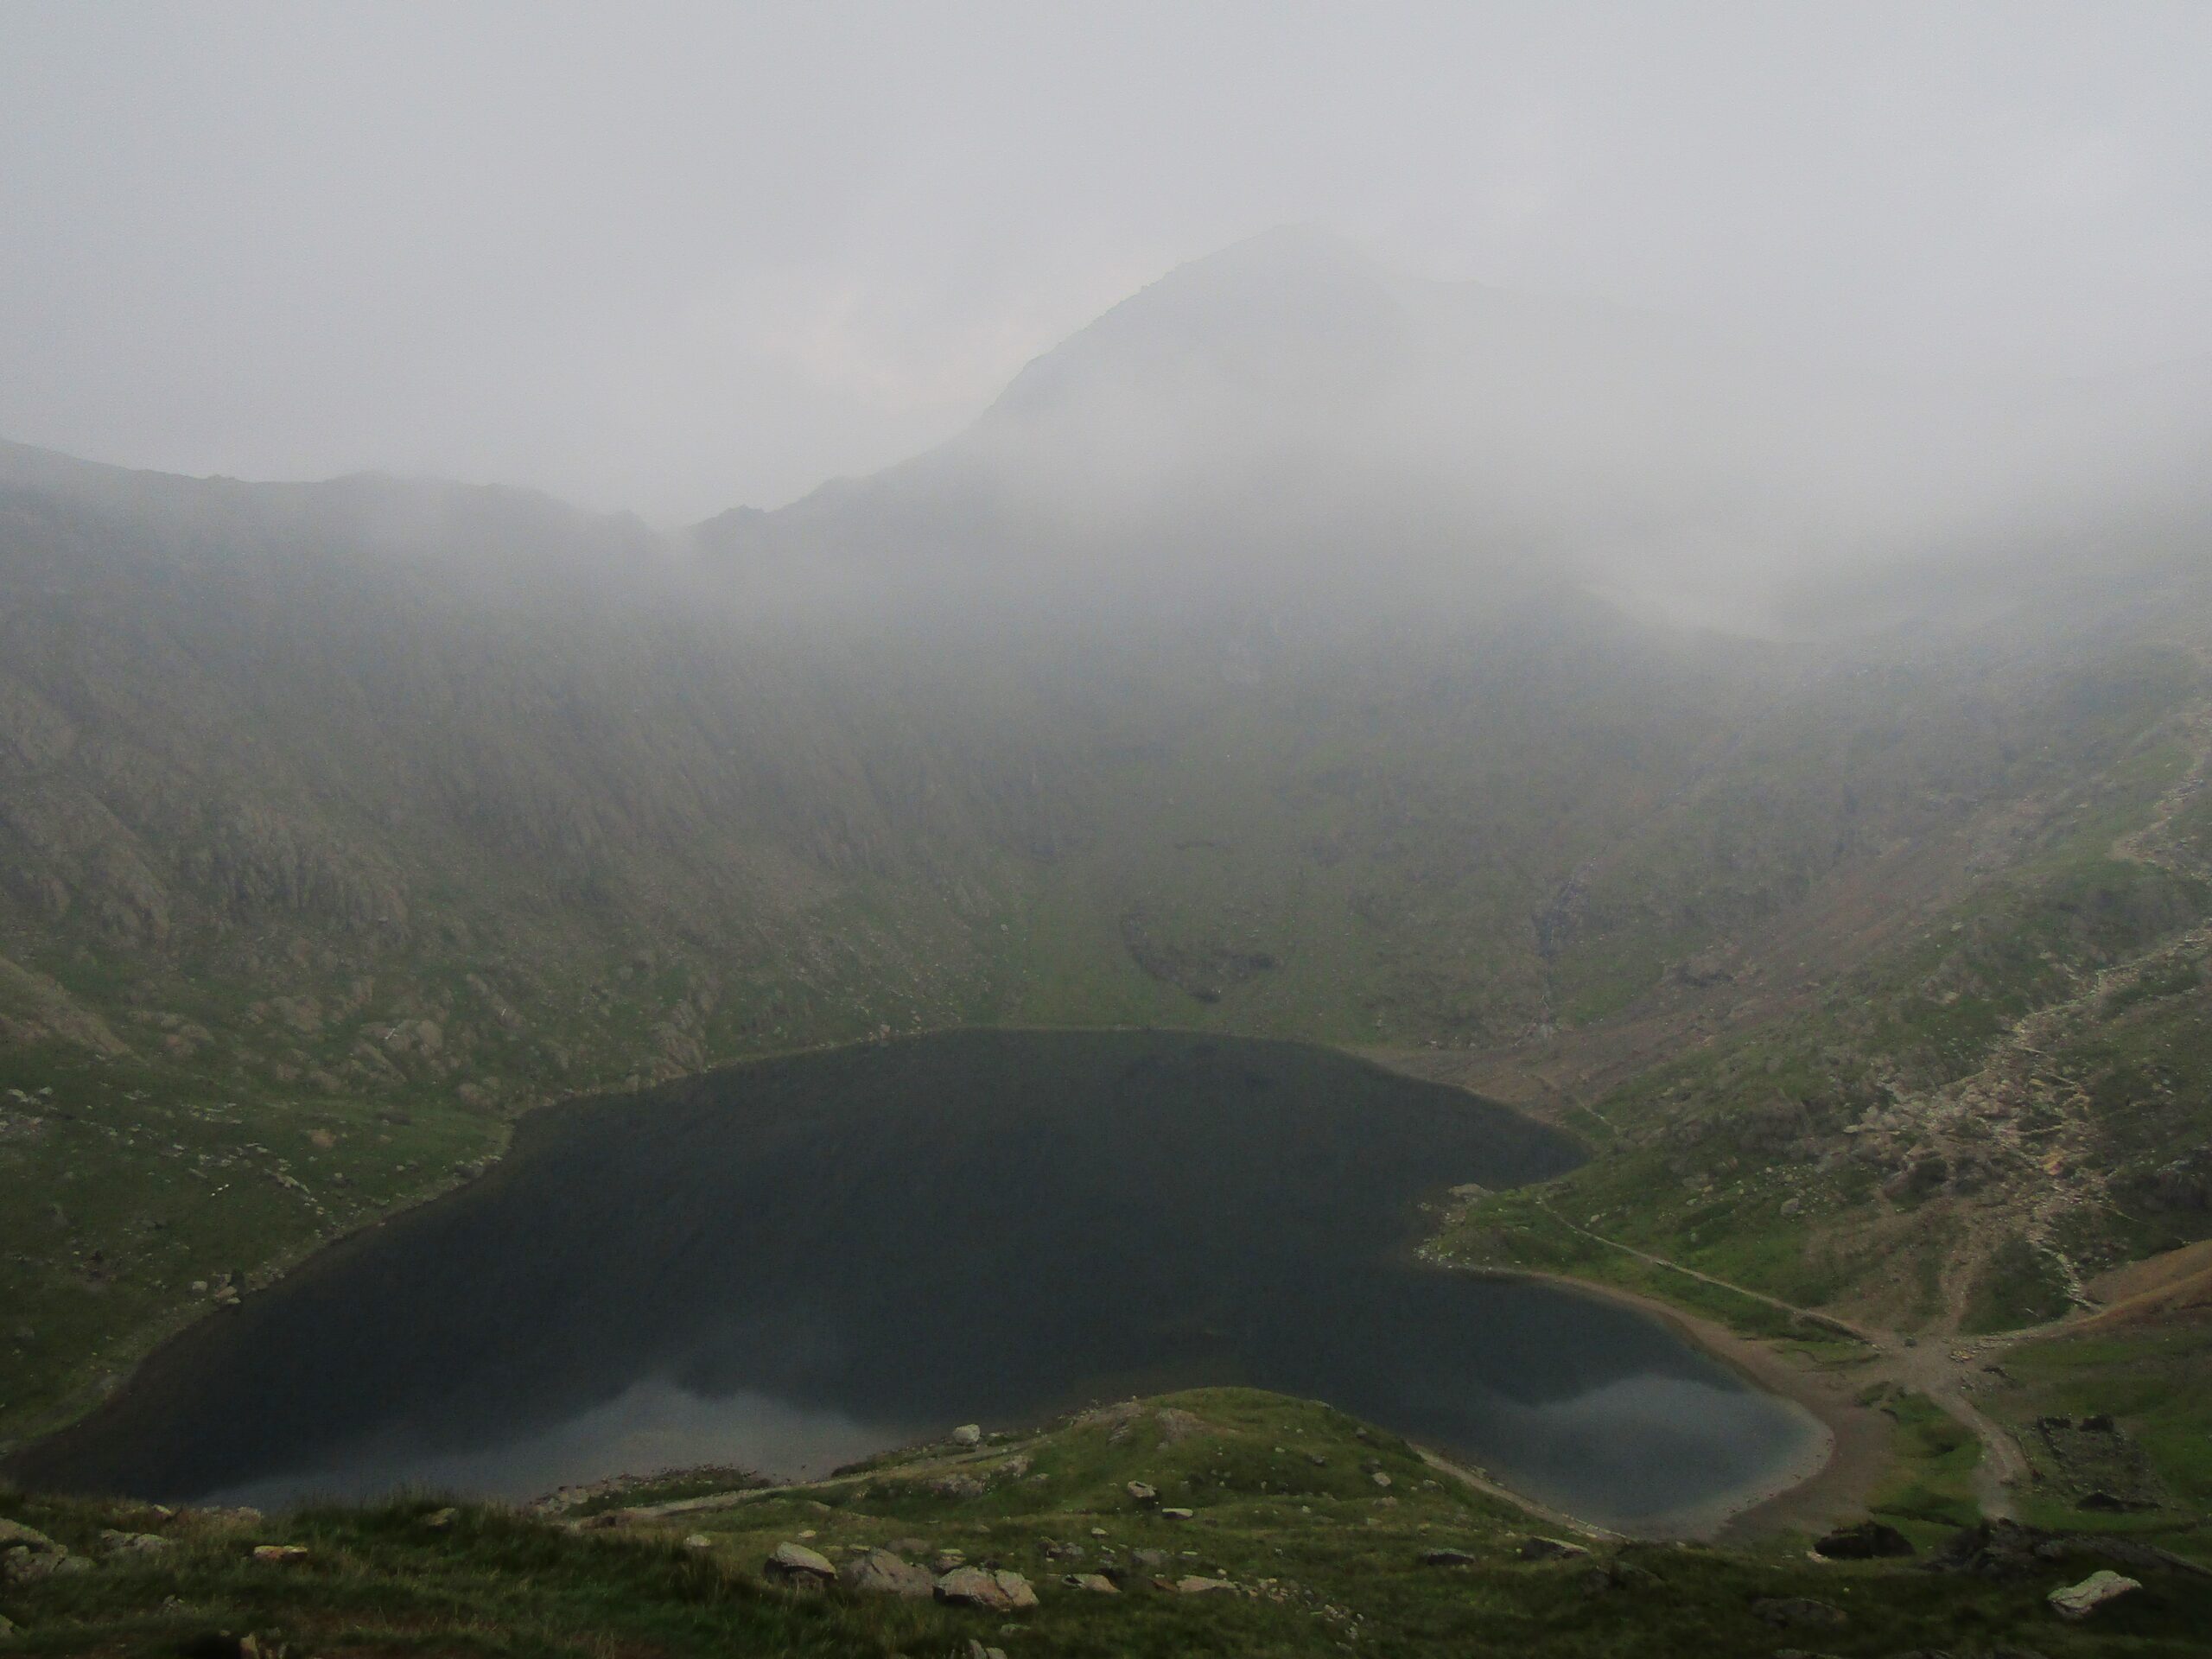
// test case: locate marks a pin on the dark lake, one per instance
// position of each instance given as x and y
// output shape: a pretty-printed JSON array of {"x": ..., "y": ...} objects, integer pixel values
[{"x": 788, "y": 1265}]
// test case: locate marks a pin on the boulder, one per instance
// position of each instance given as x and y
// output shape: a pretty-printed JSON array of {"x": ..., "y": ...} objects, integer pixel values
[
  {"x": 14, "y": 1534},
  {"x": 968, "y": 1434},
  {"x": 1140, "y": 1493},
  {"x": 794, "y": 1564},
  {"x": 2080, "y": 1600},
  {"x": 1446, "y": 1558},
  {"x": 880, "y": 1572},
  {"x": 1097, "y": 1583},
  {"x": 993, "y": 1591},
  {"x": 1868, "y": 1540}
]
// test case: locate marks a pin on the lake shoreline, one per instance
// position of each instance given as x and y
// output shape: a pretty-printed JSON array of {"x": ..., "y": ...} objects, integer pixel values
[{"x": 1815, "y": 1493}]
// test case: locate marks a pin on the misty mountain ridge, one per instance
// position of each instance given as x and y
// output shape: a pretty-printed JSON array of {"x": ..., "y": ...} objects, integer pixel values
[{"x": 1287, "y": 412}]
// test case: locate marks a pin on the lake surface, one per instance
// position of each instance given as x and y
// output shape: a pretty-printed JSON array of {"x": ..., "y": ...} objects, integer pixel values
[{"x": 788, "y": 1265}]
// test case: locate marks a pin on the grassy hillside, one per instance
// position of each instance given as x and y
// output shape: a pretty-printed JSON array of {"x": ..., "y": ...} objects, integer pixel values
[{"x": 1304, "y": 1532}]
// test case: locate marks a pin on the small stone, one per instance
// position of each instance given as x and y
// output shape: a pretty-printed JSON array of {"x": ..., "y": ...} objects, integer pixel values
[
  {"x": 1097, "y": 1583},
  {"x": 1149, "y": 1558},
  {"x": 439, "y": 1520},
  {"x": 1179, "y": 1515},
  {"x": 2080, "y": 1600},
  {"x": 697, "y": 1541},
  {"x": 968, "y": 1434},
  {"x": 1196, "y": 1585},
  {"x": 1380, "y": 1478},
  {"x": 945, "y": 1559},
  {"x": 280, "y": 1554},
  {"x": 1446, "y": 1558},
  {"x": 1141, "y": 1493},
  {"x": 796, "y": 1564}
]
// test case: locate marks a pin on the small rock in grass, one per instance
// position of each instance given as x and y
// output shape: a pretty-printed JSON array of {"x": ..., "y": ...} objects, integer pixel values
[
  {"x": 439, "y": 1520},
  {"x": 280, "y": 1554},
  {"x": 2080, "y": 1600},
  {"x": 1195, "y": 1585},
  {"x": 1142, "y": 1493},
  {"x": 1179, "y": 1515},
  {"x": 945, "y": 1559},
  {"x": 697, "y": 1541},
  {"x": 794, "y": 1564},
  {"x": 968, "y": 1434},
  {"x": 1446, "y": 1558},
  {"x": 134, "y": 1544},
  {"x": 993, "y": 1591},
  {"x": 1097, "y": 1583},
  {"x": 1785, "y": 1612},
  {"x": 880, "y": 1572}
]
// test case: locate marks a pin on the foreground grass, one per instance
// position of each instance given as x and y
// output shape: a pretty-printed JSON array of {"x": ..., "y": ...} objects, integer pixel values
[{"x": 1286, "y": 1506}]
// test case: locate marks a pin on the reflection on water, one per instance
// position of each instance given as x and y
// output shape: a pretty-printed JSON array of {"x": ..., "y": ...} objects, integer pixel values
[
  {"x": 651, "y": 1424},
  {"x": 790, "y": 1265}
]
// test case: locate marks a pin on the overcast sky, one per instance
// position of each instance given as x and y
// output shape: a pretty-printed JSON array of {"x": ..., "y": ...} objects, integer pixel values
[{"x": 677, "y": 258}]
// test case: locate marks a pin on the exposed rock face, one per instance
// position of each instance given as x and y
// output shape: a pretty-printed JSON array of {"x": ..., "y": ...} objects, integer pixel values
[
  {"x": 880, "y": 1572},
  {"x": 796, "y": 1564},
  {"x": 2078, "y": 1601},
  {"x": 993, "y": 1591},
  {"x": 1867, "y": 1541}
]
